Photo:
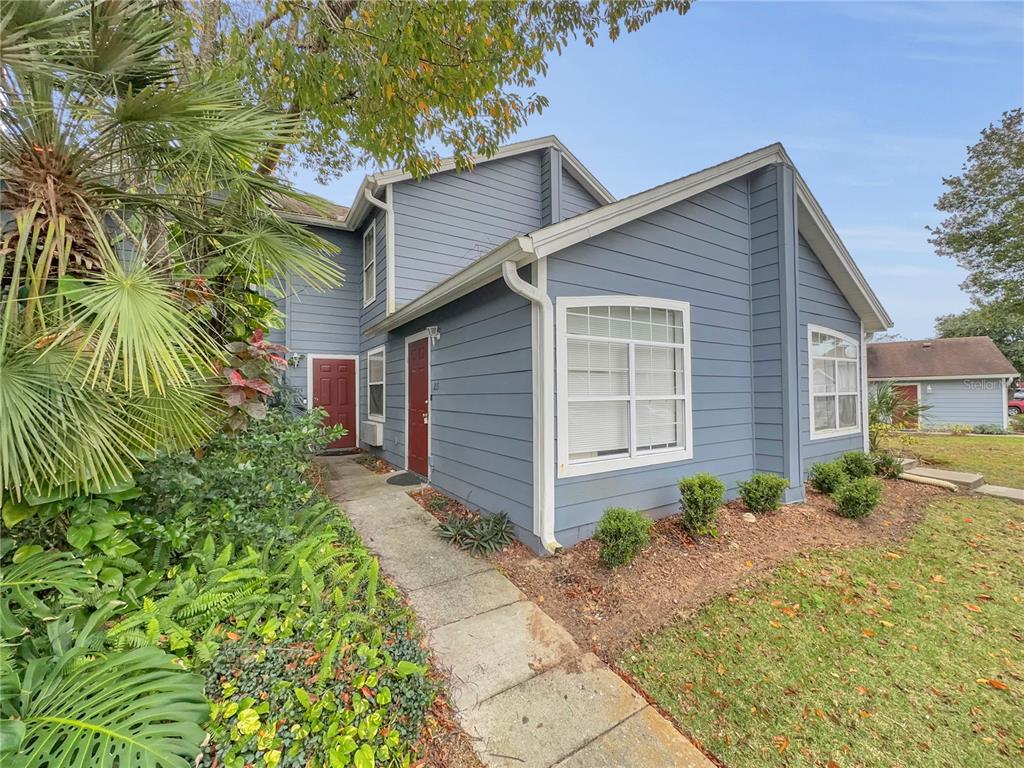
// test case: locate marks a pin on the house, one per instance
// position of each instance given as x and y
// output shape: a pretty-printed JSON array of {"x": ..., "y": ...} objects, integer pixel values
[
  {"x": 530, "y": 345},
  {"x": 961, "y": 381}
]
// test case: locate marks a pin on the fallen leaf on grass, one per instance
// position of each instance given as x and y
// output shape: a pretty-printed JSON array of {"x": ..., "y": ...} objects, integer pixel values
[
  {"x": 999, "y": 685},
  {"x": 781, "y": 743},
  {"x": 868, "y": 633},
  {"x": 776, "y": 623},
  {"x": 972, "y": 608},
  {"x": 938, "y": 579}
]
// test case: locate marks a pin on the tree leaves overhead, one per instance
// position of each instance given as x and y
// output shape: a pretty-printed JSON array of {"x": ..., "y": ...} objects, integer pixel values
[
  {"x": 391, "y": 81},
  {"x": 1000, "y": 321},
  {"x": 984, "y": 226}
]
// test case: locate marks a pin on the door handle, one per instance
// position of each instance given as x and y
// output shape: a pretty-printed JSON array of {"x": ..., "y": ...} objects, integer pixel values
[{"x": 424, "y": 417}]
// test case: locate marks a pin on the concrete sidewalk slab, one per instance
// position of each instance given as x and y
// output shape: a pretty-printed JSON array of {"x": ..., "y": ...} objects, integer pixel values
[
  {"x": 493, "y": 651},
  {"x": 645, "y": 733},
  {"x": 1001, "y": 492},
  {"x": 452, "y": 601},
  {"x": 520, "y": 684},
  {"x": 968, "y": 480},
  {"x": 552, "y": 715}
]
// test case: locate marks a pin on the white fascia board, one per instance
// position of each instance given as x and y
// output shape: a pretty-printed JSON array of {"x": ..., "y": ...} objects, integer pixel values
[
  {"x": 829, "y": 248},
  {"x": 484, "y": 270},
  {"x": 578, "y": 228},
  {"x": 578, "y": 170}
]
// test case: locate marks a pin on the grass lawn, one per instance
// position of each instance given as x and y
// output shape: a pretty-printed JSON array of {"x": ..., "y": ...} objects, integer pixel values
[
  {"x": 902, "y": 656},
  {"x": 999, "y": 459}
]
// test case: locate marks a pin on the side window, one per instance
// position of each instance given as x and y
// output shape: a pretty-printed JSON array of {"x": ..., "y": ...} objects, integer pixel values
[
  {"x": 834, "y": 366},
  {"x": 375, "y": 375},
  {"x": 370, "y": 264}
]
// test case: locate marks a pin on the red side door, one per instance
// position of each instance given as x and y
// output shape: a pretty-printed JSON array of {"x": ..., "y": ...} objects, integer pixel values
[
  {"x": 908, "y": 394},
  {"x": 334, "y": 390},
  {"x": 417, "y": 430}
]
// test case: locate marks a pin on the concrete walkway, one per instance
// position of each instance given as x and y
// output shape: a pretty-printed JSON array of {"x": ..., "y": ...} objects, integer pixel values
[{"x": 522, "y": 688}]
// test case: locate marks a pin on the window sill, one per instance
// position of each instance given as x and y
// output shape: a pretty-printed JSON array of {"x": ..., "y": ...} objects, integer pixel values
[
  {"x": 378, "y": 419},
  {"x": 565, "y": 469},
  {"x": 835, "y": 433},
  {"x": 368, "y": 303}
]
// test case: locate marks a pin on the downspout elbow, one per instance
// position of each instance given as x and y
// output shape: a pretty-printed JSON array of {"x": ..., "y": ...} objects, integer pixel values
[{"x": 544, "y": 398}]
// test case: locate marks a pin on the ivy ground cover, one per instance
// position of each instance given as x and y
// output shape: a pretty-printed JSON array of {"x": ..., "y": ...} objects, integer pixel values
[{"x": 897, "y": 655}]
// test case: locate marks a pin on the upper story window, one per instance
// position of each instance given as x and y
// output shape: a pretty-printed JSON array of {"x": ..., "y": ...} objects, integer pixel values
[
  {"x": 623, "y": 383},
  {"x": 375, "y": 373},
  {"x": 370, "y": 264},
  {"x": 835, "y": 382}
]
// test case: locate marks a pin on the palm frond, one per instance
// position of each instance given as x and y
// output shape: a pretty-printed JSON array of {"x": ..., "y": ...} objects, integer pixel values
[{"x": 134, "y": 708}]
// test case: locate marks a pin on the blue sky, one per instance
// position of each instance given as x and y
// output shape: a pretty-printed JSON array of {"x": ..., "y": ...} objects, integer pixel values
[{"x": 875, "y": 102}]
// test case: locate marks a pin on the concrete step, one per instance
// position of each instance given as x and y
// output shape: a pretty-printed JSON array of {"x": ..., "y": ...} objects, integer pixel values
[
  {"x": 966, "y": 480},
  {"x": 908, "y": 464},
  {"x": 1001, "y": 492}
]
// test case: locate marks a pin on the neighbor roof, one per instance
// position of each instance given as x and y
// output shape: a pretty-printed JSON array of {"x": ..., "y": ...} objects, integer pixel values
[
  {"x": 937, "y": 358},
  {"x": 814, "y": 226},
  {"x": 312, "y": 210},
  {"x": 372, "y": 184}
]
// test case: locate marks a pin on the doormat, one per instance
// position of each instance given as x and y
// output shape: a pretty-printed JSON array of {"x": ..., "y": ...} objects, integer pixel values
[{"x": 404, "y": 478}]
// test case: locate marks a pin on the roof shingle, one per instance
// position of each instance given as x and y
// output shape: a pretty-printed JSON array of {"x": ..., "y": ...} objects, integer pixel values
[{"x": 935, "y": 358}]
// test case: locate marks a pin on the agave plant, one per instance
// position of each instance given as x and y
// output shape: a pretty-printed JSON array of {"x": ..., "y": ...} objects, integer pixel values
[{"x": 137, "y": 239}]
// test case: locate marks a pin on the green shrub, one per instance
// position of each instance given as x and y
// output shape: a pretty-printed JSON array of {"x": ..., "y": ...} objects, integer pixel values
[
  {"x": 990, "y": 429},
  {"x": 763, "y": 492},
  {"x": 1017, "y": 423},
  {"x": 858, "y": 498},
  {"x": 826, "y": 477},
  {"x": 480, "y": 535},
  {"x": 886, "y": 464},
  {"x": 623, "y": 534},
  {"x": 700, "y": 497},
  {"x": 858, "y": 464}
]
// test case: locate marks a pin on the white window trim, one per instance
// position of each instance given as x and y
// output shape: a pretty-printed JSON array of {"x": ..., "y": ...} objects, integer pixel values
[
  {"x": 311, "y": 358},
  {"x": 665, "y": 456},
  {"x": 827, "y": 434},
  {"x": 382, "y": 350},
  {"x": 371, "y": 232}
]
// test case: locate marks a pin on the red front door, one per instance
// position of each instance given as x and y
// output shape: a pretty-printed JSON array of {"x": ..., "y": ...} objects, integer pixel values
[
  {"x": 334, "y": 390},
  {"x": 417, "y": 429},
  {"x": 907, "y": 393}
]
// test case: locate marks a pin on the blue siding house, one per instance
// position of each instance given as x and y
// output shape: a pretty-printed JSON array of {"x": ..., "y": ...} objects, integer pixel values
[{"x": 530, "y": 345}]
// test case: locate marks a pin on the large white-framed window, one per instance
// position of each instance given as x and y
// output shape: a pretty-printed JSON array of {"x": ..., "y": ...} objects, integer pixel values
[
  {"x": 623, "y": 383},
  {"x": 375, "y": 376},
  {"x": 370, "y": 264},
  {"x": 834, "y": 368}
]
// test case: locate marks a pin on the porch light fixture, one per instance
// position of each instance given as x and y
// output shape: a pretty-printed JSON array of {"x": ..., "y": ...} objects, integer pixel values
[{"x": 434, "y": 334}]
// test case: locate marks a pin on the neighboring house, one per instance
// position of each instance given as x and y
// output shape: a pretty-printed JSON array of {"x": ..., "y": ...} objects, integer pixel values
[
  {"x": 534, "y": 347},
  {"x": 962, "y": 381}
]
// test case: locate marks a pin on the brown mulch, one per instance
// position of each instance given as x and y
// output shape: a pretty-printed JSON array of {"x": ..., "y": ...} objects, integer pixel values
[
  {"x": 375, "y": 464},
  {"x": 446, "y": 745},
  {"x": 439, "y": 505},
  {"x": 608, "y": 610}
]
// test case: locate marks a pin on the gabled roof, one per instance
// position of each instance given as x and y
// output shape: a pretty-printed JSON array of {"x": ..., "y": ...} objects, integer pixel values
[
  {"x": 937, "y": 358},
  {"x": 313, "y": 210},
  {"x": 372, "y": 184},
  {"x": 814, "y": 226}
]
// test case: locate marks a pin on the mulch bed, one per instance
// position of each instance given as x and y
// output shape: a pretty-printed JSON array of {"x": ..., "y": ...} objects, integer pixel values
[
  {"x": 608, "y": 610},
  {"x": 441, "y": 506},
  {"x": 375, "y": 464}
]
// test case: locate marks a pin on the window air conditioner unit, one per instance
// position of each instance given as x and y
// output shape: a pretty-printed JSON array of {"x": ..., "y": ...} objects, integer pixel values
[{"x": 373, "y": 433}]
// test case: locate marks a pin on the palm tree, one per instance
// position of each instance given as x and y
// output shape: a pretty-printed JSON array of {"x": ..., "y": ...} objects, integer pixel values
[
  {"x": 888, "y": 410},
  {"x": 137, "y": 239}
]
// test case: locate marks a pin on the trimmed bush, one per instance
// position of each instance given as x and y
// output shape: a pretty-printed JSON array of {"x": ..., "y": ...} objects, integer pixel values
[
  {"x": 887, "y": 465},
  {"x": 763, "y": 492},
  {"x": 700, "y": 496},
  {"x": 858, "y": 464},
  {"x": 826, "y": 477},
  {"x": 623, "y": 534},
  {"x": 858, "y": 498},
  {"x": 990, "y": 429}
]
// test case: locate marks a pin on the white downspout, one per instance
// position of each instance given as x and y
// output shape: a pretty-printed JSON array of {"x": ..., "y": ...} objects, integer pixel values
[
  {"x": 389, "y": 245},
  {"x": 543, "y": 406}
]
